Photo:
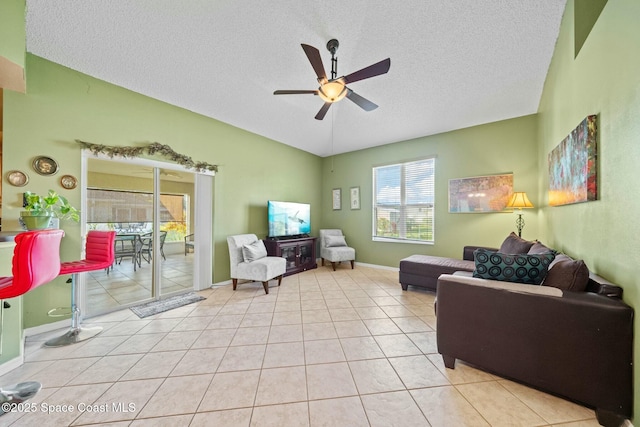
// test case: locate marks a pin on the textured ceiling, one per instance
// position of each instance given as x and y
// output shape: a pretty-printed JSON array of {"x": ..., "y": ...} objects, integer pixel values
[{"x": 454, "y": 64}]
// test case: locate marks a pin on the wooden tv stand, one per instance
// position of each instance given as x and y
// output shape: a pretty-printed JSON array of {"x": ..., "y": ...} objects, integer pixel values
[{"x": 300, "y": 253}]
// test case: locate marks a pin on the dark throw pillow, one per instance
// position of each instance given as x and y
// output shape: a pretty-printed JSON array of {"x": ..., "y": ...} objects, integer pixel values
[
  {"x": 518, "y": 268},
  {"x": 539, "y": 248},
  {"x": 567, "y": 274},
  {"x": 515, "y": 245}
]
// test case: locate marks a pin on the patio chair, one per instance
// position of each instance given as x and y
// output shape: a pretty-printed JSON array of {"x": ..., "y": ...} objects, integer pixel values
[
  {"x": 147, "y": 245},
  {"x": 188, "y": 244}
]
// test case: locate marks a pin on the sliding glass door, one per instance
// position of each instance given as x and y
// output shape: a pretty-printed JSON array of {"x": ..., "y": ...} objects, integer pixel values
[
  {"x": 176, "y": 221},
  {"x": 152, "y": 209}
]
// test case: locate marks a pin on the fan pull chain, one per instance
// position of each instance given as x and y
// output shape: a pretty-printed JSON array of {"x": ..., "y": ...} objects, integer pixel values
[{"x": 332, "y": 120}]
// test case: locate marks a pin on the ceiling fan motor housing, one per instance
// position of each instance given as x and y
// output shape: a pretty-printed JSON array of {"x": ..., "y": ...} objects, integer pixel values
[{"x": 332, "y": 46}]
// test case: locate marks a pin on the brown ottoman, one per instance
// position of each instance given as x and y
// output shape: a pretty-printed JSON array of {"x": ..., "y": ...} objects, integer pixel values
[{"x": 424, "y": 270}]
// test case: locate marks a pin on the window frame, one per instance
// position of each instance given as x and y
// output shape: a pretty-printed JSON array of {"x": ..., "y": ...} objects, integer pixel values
[{"x": 404, "y": 206}]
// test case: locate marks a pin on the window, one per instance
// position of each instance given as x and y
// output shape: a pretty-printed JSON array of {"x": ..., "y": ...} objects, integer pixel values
[
  {"x": 403, "y": 201},
  {"x": 133, "y": 211}
]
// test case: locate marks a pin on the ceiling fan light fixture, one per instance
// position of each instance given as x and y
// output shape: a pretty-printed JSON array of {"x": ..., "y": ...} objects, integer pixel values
[{"x": 332, "y": 91}]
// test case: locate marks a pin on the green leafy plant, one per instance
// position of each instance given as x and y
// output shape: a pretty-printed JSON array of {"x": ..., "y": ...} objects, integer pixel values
[{"x": 52, "y": 204}]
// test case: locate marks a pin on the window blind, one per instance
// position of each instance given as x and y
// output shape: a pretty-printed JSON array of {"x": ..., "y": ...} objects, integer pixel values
[
  {"x": 404, "y": 201},
  {"x": 130, "y": 206}
]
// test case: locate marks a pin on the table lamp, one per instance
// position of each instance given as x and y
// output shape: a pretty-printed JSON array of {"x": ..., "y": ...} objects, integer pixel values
[{"x": 519, "y": 201}]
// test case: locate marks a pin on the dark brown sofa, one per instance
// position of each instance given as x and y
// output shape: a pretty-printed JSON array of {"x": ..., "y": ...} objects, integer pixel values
[
  {"x": 572, "y": 337},
  {"x": 577, "y": 345}
]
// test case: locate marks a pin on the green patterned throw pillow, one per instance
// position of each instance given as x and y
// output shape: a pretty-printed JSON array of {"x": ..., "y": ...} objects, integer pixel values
[{"x": 520, "y": 268}]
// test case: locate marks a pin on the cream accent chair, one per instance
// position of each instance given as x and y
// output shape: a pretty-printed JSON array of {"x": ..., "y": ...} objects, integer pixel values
[
  {"x": 333, "y": 248},
  {"x": 249, "y": 261}
]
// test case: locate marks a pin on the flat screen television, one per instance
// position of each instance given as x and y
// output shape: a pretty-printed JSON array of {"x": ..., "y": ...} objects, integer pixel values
[{"x": 288, "y": 219}]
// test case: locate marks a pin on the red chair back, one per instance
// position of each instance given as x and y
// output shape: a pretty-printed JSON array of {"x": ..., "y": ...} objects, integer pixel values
[
  {"x": 36, "y": 261},
  {"x": 101, "y": 247},
  {"x": 99, "y": 254}
]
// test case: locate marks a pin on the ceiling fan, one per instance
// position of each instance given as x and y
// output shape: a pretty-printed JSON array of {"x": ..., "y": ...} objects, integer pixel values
[{"x": 335, "y": 89}]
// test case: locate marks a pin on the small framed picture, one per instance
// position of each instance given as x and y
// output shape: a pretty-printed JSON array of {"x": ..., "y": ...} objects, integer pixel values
[
  {"x": 355, "y": 197},
  {"x": 336, "y": 196},
  {"x": 45, "y": 165}
]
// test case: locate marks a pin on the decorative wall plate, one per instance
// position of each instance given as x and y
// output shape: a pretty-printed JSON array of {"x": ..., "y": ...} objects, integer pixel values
[
  {"x": 68, "y": 181},
  {"x": 17, "y": 178},
  {"x": 45, "y": 165}
]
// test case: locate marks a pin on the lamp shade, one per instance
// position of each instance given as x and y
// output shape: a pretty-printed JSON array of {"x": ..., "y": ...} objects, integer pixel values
[
  {"x": 332, "y": 91},
  {"x": 519, "y": 200}
]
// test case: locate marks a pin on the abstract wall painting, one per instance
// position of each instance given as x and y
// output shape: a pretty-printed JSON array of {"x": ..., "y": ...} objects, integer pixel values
[
  {"x": 572, "y": 166},
  {"x": 480, "y": 194}
]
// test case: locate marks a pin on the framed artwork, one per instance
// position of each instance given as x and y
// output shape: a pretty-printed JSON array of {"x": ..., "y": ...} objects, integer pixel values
[
  {"x": 354, "y": 193},
  {"x": 572, "y": 166},
  {"x": 480, "y": 194},
  {"x": 45, "y": 165},
  {"x": 336, "y": 196}
]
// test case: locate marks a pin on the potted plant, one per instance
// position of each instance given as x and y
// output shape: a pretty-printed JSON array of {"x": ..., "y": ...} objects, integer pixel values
[{"x": 40, "y": 210}]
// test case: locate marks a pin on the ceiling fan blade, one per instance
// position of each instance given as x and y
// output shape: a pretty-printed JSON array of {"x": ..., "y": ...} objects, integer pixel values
[
  {"x": 295, "y": 92},
  {"x": 363, "y": 103},
  {"x": 371, "y": 71},
  {"x": 313, "y": 55},
  {"x": 323, "y": 111}
]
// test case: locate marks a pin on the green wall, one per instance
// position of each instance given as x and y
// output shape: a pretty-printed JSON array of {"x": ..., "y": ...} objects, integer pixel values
[
  {"x": 62, "y": 105},
  {"x": 603, "y": 79},
  {"x": 495, "y": 148},
  {"x": 12, "y": 31}
]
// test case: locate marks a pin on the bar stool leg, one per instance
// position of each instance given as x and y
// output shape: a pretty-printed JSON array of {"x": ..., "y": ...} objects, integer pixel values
[
  {"x": 16, "y": 393},
  {"x": 77, "y": 333}
]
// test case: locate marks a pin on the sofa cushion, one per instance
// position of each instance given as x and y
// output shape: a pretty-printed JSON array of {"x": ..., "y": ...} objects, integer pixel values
[
  {"x": 515, "y": 245},
  {"x": 567, "y": 274},
  {"x": 519, "y": 268},
  {"x": 334, "y": 241},
  {"x": 462, "y": 277},
  {"x": 539, "y": 248},
  {"x": 254, "y": 251}
]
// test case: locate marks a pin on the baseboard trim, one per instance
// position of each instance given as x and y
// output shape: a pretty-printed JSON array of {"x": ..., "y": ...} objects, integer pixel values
[
  {"x": 357, "y": 264},
  {"x": 379, "y": 267},
  {"x": 47, "y": 327},
  {"x": 12, "y": 364},
  {"x": 219, "y": 284}
]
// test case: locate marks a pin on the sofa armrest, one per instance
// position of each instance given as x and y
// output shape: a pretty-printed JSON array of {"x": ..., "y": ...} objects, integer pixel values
[
  {"x": 578, "y": 345},
  {"x": 602, "y": 286},
  {"x": 467, "y": 252}
]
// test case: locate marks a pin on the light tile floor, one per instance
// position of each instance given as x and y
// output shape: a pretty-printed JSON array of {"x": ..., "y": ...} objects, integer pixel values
[
  {"x": 123, "y": 285},
  {"x": 344, "y": 348}
]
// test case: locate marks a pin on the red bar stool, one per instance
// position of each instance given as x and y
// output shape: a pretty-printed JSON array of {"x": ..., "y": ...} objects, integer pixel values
[
  {"x": 99, "y": 255},
  {"x": 36, "y": 261}
]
